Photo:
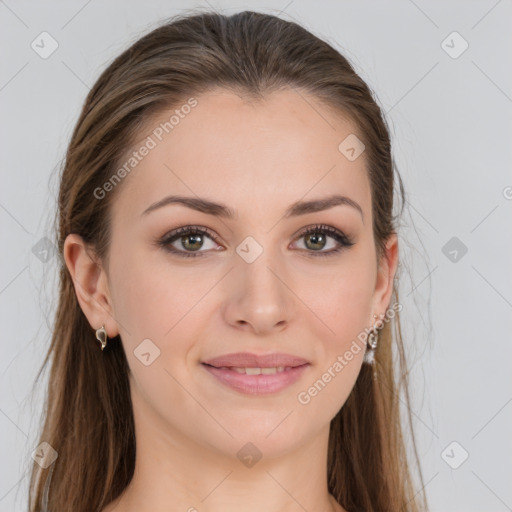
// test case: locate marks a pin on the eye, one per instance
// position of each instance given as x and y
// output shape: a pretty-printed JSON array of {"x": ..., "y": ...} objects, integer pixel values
[
  {"x": 190, "y": 238},
  {"x": 315, "y": 238}
]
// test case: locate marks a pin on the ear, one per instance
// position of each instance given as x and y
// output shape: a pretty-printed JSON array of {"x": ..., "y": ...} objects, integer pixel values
[
  {"x": 385, "y": 277},
  {"x": 91, "y": 284}
]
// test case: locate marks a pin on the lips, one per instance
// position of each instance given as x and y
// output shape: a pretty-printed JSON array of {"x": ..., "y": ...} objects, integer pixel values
[
  {"x": 248, "y": 360},
  {"x": 256, "y": 375}
]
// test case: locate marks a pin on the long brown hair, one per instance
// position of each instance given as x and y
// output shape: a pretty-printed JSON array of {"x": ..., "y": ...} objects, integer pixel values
[{"x": 88, "y": 418}]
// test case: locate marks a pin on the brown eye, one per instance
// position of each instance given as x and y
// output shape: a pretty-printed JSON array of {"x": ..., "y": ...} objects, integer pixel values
[
  {"x": 189, "y": 240},
  {"x": 192, "y": 242},
  {"x": 316, "y": 239},
  {"x": 186, "y": 241}
]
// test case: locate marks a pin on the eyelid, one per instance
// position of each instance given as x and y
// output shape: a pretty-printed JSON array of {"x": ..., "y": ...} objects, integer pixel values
[
  {"x": 174, "y": 233},
  {"x": 330, "y": 230}
]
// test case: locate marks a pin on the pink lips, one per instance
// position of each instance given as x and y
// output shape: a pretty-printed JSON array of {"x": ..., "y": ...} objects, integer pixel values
[
  {"x": 248, "y": 360},
  {"x": 290, "y": 368}
]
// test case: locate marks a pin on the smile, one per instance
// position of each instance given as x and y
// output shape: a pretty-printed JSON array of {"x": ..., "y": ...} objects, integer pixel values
[{"x": 256, "y": 381}]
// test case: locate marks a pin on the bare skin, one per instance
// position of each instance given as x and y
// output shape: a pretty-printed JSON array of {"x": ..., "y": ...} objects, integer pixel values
[{"x": 257, "y": 158}]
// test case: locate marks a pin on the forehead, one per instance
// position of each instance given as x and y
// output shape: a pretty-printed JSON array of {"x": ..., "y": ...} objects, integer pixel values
[{"x": 255, "y": 156}]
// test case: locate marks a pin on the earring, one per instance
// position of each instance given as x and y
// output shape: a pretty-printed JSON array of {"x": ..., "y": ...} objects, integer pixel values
[
  {"x": 373, "y": 338},
  {"x": 101, "y": 335}
]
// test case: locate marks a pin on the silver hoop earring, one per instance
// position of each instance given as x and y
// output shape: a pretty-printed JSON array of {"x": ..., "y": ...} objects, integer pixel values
[{"x": 101, "y": 335}]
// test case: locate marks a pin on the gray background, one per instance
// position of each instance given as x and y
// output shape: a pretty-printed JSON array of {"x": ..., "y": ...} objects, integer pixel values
[{"x": 450, "y": 118}]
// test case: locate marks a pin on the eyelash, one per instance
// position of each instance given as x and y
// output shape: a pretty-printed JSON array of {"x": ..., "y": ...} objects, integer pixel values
[{"x": 167, "y": 239}]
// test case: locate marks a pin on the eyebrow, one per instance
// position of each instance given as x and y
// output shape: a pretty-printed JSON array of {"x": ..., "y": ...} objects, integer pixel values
[{"x": 221, "y": 210}]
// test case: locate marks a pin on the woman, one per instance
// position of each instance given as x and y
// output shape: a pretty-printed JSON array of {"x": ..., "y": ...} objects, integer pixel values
[{"x": 224, "y": 335}]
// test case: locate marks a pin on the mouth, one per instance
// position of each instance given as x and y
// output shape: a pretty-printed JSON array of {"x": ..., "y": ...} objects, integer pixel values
[
  {"x": 256, "y": 375},
  {"x": 255, "y": 371}
]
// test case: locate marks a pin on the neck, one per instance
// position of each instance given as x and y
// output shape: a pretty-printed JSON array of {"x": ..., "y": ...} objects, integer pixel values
[{"x": 172, "y": 473}]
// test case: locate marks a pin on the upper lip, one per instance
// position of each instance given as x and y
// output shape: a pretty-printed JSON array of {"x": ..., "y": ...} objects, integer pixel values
[{"x": 248, "y": 360}]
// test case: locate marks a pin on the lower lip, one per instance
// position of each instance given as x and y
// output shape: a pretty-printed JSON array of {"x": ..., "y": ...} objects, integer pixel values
[{"x": 257, "y": 384}]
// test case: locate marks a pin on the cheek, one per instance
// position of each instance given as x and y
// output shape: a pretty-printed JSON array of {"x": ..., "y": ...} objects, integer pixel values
[
  {"x": 344, "y": 309},
  {"x": 348, "y": 312},
  {"x": 340, "y": 299},
  {"x": 144, "y": 298},
  {"x": 327, "y": 392},
  {"x": 155, "y": 299}
]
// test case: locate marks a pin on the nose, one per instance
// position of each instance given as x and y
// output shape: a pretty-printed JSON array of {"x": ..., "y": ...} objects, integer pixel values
[{"x": 259, "y": 298}]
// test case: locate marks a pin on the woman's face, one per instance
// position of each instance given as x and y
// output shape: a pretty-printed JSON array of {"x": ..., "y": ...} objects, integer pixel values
[{"x": 254, "y": 283}]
